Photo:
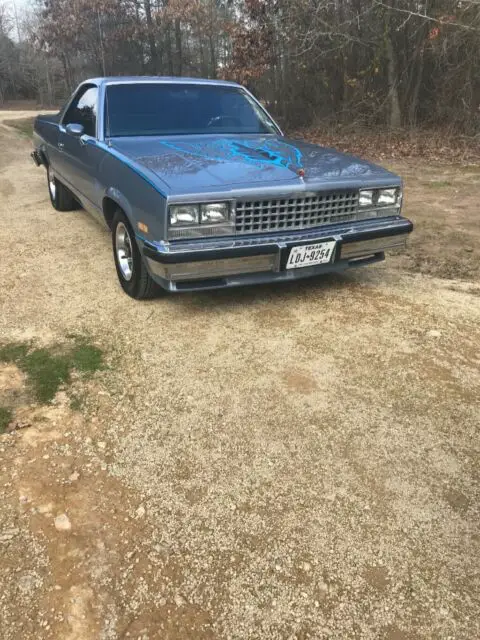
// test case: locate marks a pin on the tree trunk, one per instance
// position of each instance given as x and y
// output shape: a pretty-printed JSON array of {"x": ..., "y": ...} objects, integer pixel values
[
  {"x": 213, "y": 60},
  {"x": 49, "y": 83},
  {"x": 178, "y": 45},
  {"x": 284, "y": 84},
  {"x": 138, "y": 41},
  {"x": 337, "y": 84},
  {"x": 395, "y": 111},
  {"x": 168, "y": 47},
  {"x": 67, "y": 72},
  {"x": 338, "y": 80},
  {"x": 151, "y": 37},
  {"x": 203, "y": 63},
  {"x": 412, "y": 111},
  {"x": 395, "y": 116},
  {"x": 102, "y": 48}
]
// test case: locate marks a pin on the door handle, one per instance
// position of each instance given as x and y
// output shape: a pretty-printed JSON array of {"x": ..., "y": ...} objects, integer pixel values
[{"x": 60, "y": 145}]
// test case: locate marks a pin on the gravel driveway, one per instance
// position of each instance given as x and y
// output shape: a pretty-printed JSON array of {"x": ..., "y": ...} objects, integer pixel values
[{"x": 289, "y": 461}]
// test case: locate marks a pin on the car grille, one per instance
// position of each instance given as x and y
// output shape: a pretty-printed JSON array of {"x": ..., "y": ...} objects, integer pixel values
[{"x": 302, "y": 212}]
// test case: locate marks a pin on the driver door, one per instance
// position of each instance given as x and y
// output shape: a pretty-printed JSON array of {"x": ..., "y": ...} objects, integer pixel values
[{"x": 79, "y": 156}]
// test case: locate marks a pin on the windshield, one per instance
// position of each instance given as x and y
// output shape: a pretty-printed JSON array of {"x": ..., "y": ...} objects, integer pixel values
[{"x": 180, "y": 109}]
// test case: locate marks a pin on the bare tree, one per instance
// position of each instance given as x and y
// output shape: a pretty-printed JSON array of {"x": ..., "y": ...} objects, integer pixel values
[{"x": 391, "y": 62}]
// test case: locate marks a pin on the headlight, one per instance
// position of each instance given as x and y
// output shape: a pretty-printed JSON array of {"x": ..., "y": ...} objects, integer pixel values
[
  {"x": 387, "y": 196},
  {"x": 214, "y": 213},
  {"x": 200, "y": 220},
  {"x": 379, "y": 197},
  {"x": 183, "y": 215},
  {"x": 366, "y": 198}
]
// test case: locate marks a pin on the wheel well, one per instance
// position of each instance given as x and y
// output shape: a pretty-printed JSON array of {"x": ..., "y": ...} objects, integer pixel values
[{"x": 109, "y": 209}]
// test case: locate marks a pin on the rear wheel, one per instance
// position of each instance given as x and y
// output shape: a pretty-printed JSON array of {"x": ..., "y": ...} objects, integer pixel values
[
  {"x": 61, "y": 198},
  {"x": 131, "y": 269}
]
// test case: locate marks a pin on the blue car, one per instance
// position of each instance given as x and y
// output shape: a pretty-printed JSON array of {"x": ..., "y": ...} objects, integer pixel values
[{"x": 201, "y": 189}]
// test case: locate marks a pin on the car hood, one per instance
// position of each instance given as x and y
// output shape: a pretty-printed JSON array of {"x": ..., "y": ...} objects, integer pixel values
[{"x": 213, "y": 162}]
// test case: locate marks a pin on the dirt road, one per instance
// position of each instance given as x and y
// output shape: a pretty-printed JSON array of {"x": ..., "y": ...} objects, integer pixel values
[{"x": 295, "y": 461}]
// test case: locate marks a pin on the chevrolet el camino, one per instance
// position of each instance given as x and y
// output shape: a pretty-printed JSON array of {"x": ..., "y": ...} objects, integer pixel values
[{"x": 200, "y": 188}]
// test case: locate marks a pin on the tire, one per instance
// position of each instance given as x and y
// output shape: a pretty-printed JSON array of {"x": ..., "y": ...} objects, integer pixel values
[
  {"x": 61, "y": 198},
  {"x": 131, "y": 269}
]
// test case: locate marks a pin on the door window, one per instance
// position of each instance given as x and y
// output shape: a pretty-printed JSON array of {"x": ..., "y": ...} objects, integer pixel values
[{"x": 83, "y": 110}]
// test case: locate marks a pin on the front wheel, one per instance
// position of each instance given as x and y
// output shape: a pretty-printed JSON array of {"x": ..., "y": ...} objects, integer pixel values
[
  {"x": 61, "y": 198},
  {"x": 131, "y": 269}
]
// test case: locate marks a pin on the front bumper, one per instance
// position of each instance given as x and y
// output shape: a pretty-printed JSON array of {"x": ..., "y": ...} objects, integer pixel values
[{"x": 208, "y": 264}]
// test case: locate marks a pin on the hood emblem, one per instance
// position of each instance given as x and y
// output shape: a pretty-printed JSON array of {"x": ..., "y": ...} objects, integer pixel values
[{"x": 301, "y": 173}]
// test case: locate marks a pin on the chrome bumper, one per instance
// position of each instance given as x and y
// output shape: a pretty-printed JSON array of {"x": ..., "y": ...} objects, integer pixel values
[
  {"x": 213, "y": 268},
  {"x": 366, "y": 247},
  {"x": 244, "y": 260}
]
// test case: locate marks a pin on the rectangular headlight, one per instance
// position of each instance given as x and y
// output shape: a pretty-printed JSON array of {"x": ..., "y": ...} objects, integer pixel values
[
  {"x": 214, "y": 213},
  {"x": 200, "y": 220},
  {"x": 184, "y": 215},
  {"x": 379, "y": 197},
  {"x": 387, "y": 196},
  {"x": 365, "y": 198}
]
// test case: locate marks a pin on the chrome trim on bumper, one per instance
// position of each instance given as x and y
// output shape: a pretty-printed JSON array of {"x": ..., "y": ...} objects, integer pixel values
[
  {"x": 222, "y": 267},
  {"x": 369, "y": 247}
]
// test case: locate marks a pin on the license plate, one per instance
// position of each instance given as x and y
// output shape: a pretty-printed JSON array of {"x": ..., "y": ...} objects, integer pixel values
[{"x": 311, "y": 254}]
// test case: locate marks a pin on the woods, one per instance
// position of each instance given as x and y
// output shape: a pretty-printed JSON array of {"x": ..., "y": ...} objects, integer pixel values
[{"x": 398, "y": 63}]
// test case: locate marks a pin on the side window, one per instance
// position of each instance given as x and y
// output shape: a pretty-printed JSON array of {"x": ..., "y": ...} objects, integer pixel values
[{"x": 83, "y": 110}]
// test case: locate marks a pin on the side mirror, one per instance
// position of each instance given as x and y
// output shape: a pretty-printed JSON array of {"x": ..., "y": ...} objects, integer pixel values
[{"x": 75, "y": 129}]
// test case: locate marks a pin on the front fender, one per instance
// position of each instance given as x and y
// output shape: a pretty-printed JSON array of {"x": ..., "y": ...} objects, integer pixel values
[
  {"x": 141, "y": 202},
  {"x": 112, "y": 193}
]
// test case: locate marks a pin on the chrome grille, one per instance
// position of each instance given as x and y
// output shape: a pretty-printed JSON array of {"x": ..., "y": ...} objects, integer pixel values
[{"x": 301, "y": 212}]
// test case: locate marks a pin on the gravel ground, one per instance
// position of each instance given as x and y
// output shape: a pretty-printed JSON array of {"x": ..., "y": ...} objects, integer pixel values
[{"x": 290, "y": 461}]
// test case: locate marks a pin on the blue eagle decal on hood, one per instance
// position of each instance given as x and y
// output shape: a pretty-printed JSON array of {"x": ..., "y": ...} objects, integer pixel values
[{"x": 271, "y": 151}]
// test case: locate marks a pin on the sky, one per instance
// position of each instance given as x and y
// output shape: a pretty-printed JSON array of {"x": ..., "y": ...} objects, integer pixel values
[
  {"x": 21, "y": 3},
  {"x": 20, "y": 6}
]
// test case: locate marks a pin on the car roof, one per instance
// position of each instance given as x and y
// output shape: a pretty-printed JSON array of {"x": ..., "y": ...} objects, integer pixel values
[{"x": 158, "y": 79}]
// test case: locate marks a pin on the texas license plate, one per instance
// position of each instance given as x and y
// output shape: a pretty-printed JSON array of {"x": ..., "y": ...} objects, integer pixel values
[{"x": 311, "y": 254}]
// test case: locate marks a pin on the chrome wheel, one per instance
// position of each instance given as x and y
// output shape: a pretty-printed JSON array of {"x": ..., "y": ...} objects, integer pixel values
[
  {"x": 52, "y": 187},
  {"x": 123, "y": 247}
]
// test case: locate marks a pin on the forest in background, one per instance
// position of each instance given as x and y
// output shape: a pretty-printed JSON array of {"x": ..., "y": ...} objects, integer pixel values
[{"x": 392, "y": 63}]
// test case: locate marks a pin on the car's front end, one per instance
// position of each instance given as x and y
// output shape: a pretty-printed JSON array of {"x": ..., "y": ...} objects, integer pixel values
[
  {"x": 238, "y": 202},
  {"x": 225, "y": 242}
]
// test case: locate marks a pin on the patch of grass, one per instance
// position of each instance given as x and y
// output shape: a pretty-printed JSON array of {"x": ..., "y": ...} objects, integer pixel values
[
  {"x": 77, "y": 401},
  {"x": 23, "y": 125},
  {"x": 48, "y": 369},
  {"x": 13, "y": 351},
  {"x": 438, "y": 184},
  {"x": 86, "y": 357},
  {"x": 6, "y": 416},
  {"x": 46, "y": 372}
]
